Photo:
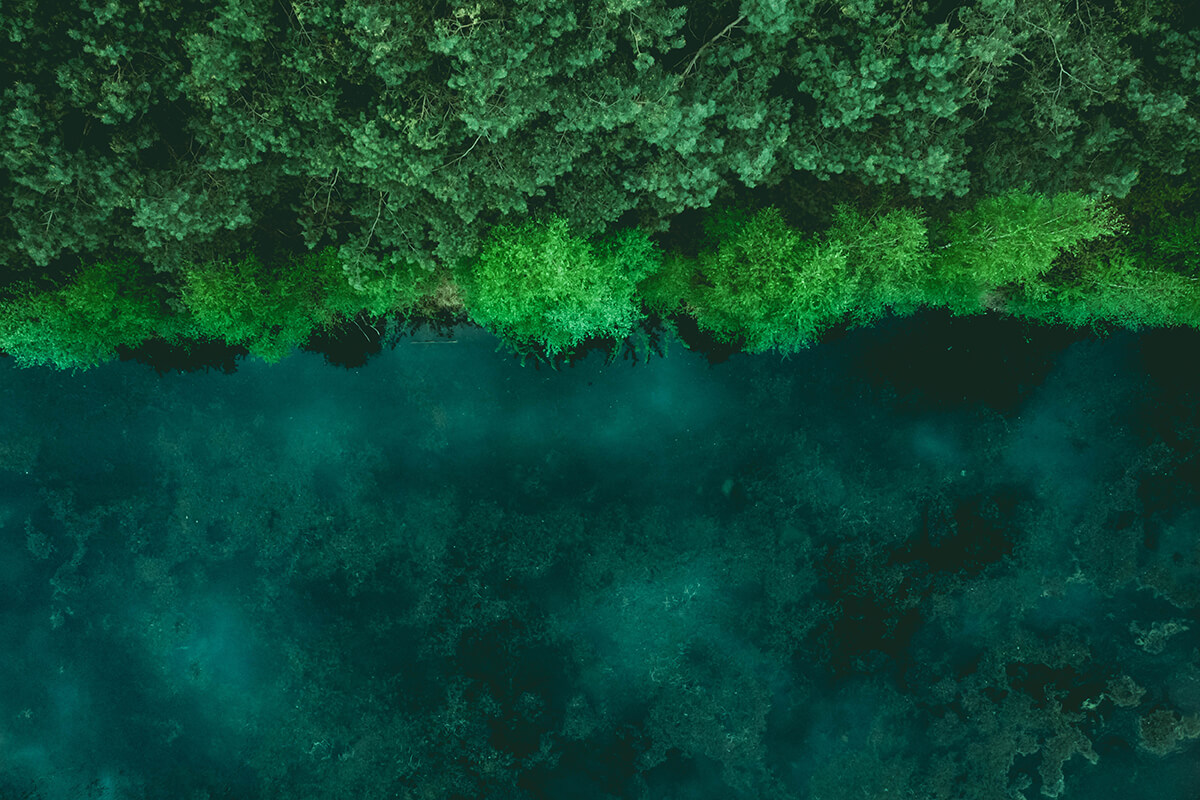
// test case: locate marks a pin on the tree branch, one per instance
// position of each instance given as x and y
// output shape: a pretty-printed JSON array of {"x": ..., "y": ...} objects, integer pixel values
[{"x": 724, "y": 32}]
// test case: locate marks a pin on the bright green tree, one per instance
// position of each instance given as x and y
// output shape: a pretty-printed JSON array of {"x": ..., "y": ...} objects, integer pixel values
[
  {"x": 773, "y": 286},
  {"x": 273, "y": 309},
  {"x": 539, "y": 285},
  {"x": 889, "y": 254},
  {"x": 1009, "y": 241},
  {"x": 81, "y": 324},
  {"x": 1115, "y": 285}
]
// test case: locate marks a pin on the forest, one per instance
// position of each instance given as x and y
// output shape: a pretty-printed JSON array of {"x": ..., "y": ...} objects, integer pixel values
[
  {"x": 914, "y": 515},
  {"x": 265, "y": 175}
]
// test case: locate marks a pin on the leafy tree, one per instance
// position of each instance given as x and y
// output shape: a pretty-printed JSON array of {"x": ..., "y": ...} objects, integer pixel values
[
  {"x": 672, "y": 288},
  {"x": 889, "y": 254},
  {"x": 885, "y": 99},
  {"x": 773, "y": 286},
  {"x": 272, "y": 310},
  {"x": 1077, "y": 97},
  {"x": 89, "y": 107},
  {"x": 1115, "y": 285},
  {"x": 1011, "y": 241},
  {"x": 540, "y": 285},
  {"x": 1176, "y": 245},
  {"x": 81, "y": 324},
  {"x": 58, "y": 201}
]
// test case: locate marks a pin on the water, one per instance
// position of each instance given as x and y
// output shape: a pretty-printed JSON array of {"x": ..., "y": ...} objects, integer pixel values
[{"x": 935, "y": 559}]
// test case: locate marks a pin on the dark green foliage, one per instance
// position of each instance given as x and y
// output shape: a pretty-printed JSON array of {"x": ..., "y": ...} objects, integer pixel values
[
  {"x": 1163, "y": 223},
  {"x": 88, "y": 108},
  {"x": 403, "y": 133},
  {"x": 56, "y": 200},
  {"x": 416, "y": 127},
  {"x": 1177, "y": 246},
  {"x": 888, "y": 102},
  {"x": 1079, "y": 97}
]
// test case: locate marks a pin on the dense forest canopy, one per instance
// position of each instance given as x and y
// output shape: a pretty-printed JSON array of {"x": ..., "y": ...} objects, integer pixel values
[{"x": 179, "y": 135}]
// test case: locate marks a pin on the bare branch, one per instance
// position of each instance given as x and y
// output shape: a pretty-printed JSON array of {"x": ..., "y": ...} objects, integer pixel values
[
  {"x": 464, "y": 155},
  {"x": 724, "y": 32},
  {"x": 378, "y": 214}
]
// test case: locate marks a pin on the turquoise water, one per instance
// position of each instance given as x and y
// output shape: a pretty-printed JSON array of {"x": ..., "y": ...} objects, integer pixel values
[{"x": 936, "y": 559}]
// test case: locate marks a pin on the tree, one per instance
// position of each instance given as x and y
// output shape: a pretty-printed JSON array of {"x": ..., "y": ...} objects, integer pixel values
[
  {"x": 1077, "y": 97},
  {"x": 1115, "y": 285},
  {"x": 273, "y": 309},
  {"x": 539, "y": 285},
  {"x": 889, "y": 254},
  {"x": 883, "y": 99},
  {"x": 81, "y": 323},
  {"x": 773, "y": 286},
  {"x": 1011, "y": 241}
]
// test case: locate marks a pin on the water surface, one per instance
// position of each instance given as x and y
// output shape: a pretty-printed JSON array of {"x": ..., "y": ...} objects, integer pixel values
[{"x": 935, "y": 559}]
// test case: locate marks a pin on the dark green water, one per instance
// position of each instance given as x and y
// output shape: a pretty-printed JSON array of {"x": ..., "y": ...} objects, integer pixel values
[{"x": 937, "y": 559}]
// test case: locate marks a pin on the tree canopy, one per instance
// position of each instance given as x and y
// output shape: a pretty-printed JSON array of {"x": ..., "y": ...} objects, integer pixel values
[
  {"x": 401, "y": 142},
  {"x": 176, "y": 131}
]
